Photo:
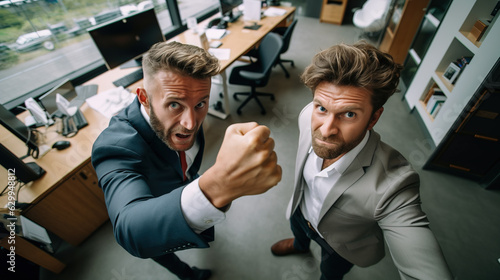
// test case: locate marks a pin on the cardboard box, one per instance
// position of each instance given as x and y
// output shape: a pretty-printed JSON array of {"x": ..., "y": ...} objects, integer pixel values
[{"x": 478, "y": 29}]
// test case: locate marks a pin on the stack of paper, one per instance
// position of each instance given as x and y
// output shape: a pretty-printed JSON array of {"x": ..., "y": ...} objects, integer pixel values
[
  {"x": 34, "y": 231},
  {"x": 272, "y": 12},
  {"x": 221, "y": 54},
  {"x": 215, "y": 34},
  {"x": 110, "y": 102}
]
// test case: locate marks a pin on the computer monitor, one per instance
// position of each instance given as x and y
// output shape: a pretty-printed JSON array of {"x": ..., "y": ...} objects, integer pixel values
[
  {"x": 19, "y": 129},
  {"x": 127, "y": 38},
  {"x": 25, "y": 172},
  {"x": 227, "y": 7},
  {"x": 48, "y": 100}
]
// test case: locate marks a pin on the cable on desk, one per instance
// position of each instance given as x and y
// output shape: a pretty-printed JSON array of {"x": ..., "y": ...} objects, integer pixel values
[
  {"x": 31, "y": 152},
  {"x": 17, "y": 183},
  {"x": 18, "y": 205}
]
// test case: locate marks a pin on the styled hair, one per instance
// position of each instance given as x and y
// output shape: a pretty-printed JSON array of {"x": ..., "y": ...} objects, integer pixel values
[
  {"x": 181, "y": 58},
  {"x": 359, "y": 65}
]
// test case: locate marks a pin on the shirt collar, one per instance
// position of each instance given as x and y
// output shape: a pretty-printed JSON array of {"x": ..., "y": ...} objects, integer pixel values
[{"x": 145, "y": 114}]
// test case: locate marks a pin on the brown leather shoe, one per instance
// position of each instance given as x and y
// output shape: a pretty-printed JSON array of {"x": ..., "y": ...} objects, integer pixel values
[{"x": 285, "y": 247}]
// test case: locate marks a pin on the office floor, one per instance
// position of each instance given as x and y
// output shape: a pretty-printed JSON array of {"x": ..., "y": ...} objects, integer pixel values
[{"x": 463, "y": 216}]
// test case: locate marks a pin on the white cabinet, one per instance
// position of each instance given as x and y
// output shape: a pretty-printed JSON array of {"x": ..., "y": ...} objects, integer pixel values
[{"x": 452, "y": 42}]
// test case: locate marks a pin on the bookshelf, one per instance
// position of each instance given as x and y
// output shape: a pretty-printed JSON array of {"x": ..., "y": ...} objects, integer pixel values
[{"x": 452, "y": 41}]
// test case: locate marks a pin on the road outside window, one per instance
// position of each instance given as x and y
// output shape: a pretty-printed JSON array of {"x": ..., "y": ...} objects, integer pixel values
[{"x": 42, "y": 41}]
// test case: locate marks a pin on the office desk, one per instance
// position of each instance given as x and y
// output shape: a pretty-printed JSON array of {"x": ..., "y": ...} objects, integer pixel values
[
  {"x": 240, "y": 41},
  {"x": 66, "y": 200}
]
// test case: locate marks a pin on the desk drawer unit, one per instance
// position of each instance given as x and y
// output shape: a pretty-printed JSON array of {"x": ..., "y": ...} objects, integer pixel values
[{"x": 72, "y": 210}]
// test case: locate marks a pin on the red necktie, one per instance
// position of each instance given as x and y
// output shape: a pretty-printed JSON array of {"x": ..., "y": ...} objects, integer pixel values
[{"x": 182, "y": 155}]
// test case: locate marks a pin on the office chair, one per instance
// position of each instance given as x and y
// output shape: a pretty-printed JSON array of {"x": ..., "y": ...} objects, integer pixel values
[
  {"x": 257, "y": 74},
  {"x": 372, "y": 18},
  {"x": 287, "y": 36}
]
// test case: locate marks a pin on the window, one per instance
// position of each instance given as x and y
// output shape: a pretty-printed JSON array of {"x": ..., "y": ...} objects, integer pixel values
[
  {"x": 196, "y": 8},
  {"x": 43, "y": 42}
]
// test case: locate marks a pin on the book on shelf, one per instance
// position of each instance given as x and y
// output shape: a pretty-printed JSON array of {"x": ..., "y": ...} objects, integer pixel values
[
  {"x": 437, "y": 98},
  {"x": 461, "y": 63},
  {"x": 436, "y": 109}
]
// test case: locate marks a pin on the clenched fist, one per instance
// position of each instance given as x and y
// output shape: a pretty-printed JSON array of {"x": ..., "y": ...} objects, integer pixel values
[{"x": 246, "y": 165}]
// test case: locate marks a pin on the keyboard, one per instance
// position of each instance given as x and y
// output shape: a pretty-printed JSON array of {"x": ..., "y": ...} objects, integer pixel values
[
  {"x": 129, "y": 79},
  {"x": 79, "y": 120},
  {"x": 71, "y": 125}
]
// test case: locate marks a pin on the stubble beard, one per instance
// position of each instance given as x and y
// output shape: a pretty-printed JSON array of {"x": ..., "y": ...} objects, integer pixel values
[{"x": 166, "y": 135}]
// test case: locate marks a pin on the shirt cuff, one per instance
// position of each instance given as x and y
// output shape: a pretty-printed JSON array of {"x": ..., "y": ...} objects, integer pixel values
[{"x": 199, "y": 213}]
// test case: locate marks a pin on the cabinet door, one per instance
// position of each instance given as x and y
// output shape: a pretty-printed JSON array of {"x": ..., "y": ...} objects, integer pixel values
[
  {"x": 472, "y": 148},
  {"x": 71, "y": 211},
  {"x": 470, "y": 155},
  {"x": 88, "y": 178},
  {"x": 484, "y": 120},
  {"x": 402, "y": 27},
  {"x": 333, "y": 11}
]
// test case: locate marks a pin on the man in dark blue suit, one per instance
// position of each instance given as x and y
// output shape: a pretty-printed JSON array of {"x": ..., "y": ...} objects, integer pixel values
[{"x": 148, "y": 159}]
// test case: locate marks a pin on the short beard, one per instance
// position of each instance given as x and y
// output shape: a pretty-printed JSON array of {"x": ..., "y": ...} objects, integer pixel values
[
  {"x": 341, "y": 148},
  {"x": 162, "y": 133}
]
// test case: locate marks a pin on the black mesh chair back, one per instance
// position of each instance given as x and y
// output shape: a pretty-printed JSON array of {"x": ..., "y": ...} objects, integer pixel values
[{"x": 257, "y": 74}]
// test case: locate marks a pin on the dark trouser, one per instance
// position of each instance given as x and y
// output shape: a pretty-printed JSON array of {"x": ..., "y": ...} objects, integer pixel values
[
  {"x": 175, "y": 265},
  {"x": 333, "y": 266}
]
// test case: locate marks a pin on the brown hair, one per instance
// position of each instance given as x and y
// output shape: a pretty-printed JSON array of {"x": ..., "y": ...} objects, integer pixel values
[
  {"x": 359, "y": 65},
  {"x": 184, "y": 59}
]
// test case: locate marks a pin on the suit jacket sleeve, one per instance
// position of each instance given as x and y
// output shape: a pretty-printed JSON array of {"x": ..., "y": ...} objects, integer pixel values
[
  {"x": 145, "y": 224},
  {"x": 413, "y": 247}
]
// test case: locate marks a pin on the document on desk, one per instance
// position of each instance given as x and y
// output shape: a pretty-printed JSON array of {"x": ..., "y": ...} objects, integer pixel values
[
  {"x": 33, "y": 231},
  {"x": 111, "y": 102},
  {"x": 272, "y": 12},
  {"x": 215, "y": 34},
  {"x": 221, "y": 54}
]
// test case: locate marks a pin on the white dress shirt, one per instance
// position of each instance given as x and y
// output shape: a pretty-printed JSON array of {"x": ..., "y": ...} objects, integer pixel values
[
  {"x": 320, "y": 182},
  {"x": 199, "y": 213}
]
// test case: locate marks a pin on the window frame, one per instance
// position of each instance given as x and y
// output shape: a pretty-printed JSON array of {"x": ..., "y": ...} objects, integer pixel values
[{"x": 97, "y": 68}]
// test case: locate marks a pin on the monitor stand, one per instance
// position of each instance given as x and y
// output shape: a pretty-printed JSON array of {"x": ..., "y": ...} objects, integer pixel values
[
  {"x": 36, "y": 168},
  {"x": 234, "y": 16},
  {"x": 231, "y": 16},
  {"x": 132, "y": 63}
]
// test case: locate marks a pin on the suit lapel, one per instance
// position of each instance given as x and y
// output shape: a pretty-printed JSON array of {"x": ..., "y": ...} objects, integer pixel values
[
  {"x": 352, "y": 173},
  {"x": 302, "y": 153}
]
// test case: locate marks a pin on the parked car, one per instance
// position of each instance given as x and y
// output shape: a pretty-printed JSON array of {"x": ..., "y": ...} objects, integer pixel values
[{"x": 35, "y": 40}]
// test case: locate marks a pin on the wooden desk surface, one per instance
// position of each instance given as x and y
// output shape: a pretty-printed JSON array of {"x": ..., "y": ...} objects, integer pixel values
[
  {"x": 241, "y": 40},
  {"x": 59, "y": 165}
]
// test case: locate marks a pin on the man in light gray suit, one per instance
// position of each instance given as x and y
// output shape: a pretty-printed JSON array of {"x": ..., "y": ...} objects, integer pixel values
[{"x": 353, "y": 191}]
